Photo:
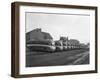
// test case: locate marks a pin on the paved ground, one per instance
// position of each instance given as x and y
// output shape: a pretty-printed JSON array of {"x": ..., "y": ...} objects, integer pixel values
[{"x": 72, "y": 57}]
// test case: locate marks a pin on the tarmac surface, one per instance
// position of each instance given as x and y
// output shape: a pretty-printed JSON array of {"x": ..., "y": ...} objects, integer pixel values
[{"x": 70, "y": 57}]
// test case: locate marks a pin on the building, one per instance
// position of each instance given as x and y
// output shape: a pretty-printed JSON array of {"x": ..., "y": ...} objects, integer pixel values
[
  {"x": 64, "y": 39},
  {"x": 86, "y": 46},
  {"x": 73, "y": 43},
  {"x": 37, "y": 34}
]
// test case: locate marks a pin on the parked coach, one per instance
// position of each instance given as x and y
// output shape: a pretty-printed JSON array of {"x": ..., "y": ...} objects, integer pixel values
[{"x": 46, "y": 46}]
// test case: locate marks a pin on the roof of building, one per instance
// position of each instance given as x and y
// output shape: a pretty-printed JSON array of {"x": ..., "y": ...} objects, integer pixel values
[
  {"x": 47, "y": 35},
  {"x": 44, "y": 35}
]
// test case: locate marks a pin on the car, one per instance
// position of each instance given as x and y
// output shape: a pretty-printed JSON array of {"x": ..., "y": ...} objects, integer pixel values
[
  {"x": 45, "y": 46},
  {"x": 65, "y": 47},
  {"x": 59, "y": 45},
  {"x": 69, "y": 47}
]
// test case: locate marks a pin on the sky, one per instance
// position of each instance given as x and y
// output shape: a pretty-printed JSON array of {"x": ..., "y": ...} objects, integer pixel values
[{"x": 68, "y": 25}]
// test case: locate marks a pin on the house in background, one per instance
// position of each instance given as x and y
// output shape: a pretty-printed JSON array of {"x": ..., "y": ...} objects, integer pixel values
[
  {"x": 64, "y": 39},
  {"x": 38, "y": 35},
  {"x": 71, "y": 43}
]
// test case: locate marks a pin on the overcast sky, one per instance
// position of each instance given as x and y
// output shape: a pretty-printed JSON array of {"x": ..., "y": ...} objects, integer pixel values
[{"x": 73, "y": 26}]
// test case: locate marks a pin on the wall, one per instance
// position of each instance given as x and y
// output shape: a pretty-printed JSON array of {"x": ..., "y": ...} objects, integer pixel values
[{"x": 5, "y": 40}]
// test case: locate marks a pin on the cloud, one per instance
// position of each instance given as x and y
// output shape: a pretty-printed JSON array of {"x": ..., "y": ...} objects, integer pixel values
[{"x": 74, "y": 26}]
